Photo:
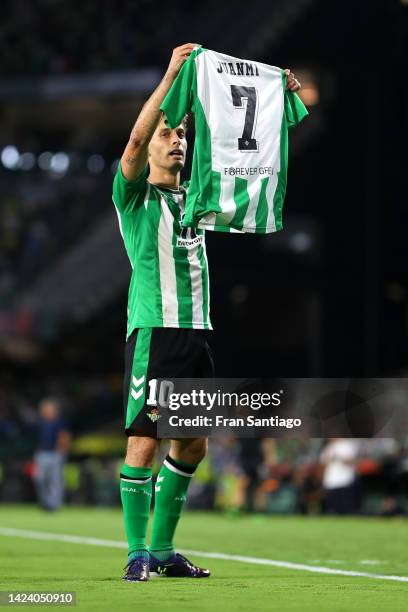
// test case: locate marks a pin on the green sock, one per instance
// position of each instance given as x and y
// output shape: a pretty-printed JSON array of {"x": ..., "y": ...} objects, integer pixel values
[
  {"x": 171, "y": 488},
  {"x": 136, "y": 495}
]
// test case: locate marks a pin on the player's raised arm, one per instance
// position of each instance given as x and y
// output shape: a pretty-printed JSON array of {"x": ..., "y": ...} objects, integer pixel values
[{"x": 134, "y": 158}]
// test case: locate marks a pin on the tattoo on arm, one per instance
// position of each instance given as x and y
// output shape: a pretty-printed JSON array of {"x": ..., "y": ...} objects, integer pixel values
[{"x": 131, "y": 160}]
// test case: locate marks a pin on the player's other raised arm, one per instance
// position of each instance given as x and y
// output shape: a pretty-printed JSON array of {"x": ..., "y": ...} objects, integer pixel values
[{"x": 134, "y": 158}]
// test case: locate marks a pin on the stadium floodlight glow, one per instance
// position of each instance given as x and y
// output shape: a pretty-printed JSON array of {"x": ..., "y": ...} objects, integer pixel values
[
  {"x": 27, "y": 161},
  {"x": 300, "y": 242},
  {"x": 309, "y": 95},
  {"x": 310, "y": 92},
  {"x": 95, "y": 163},
  {"x": 10, "y": 157},
  {"x": 44, "y": 160},
  {"x": 114, "y": 166},
  {"x": 59, "y": 163}
]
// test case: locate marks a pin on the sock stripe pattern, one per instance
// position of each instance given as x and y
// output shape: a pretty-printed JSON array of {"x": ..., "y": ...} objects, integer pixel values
[
  {"x": 135, "y": 480},
  {"x": 171, "y": 489},
  {"x": 181, "y": 469}
]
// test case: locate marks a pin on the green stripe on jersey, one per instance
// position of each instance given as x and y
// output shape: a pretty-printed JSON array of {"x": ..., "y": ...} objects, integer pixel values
[
  {"x": 205, "y": 281},
  {"x": 241, "y": 199},
  {"x": 182, "y": 268},
  {"x": 262, "y": 208}
]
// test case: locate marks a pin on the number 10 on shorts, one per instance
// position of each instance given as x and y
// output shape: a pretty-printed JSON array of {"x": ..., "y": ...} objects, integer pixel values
[{"x": 159, "y": 392}]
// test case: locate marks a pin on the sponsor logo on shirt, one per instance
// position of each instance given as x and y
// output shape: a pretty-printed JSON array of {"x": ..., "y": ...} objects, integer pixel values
[
  {"x": 188, "y": 238},
  {"x": 189, "y": 243}
]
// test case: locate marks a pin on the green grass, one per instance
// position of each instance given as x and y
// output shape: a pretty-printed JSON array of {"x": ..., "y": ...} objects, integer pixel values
[{"x": 94, "y": 572}]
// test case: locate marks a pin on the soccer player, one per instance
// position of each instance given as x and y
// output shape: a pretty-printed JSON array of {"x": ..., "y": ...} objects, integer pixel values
[{"x": 168, "y": 323}]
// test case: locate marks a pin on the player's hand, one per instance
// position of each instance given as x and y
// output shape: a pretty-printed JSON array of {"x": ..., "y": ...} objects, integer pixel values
[
  {"x": 292, "y": 84},
  {"x": 179, "y": 56}
]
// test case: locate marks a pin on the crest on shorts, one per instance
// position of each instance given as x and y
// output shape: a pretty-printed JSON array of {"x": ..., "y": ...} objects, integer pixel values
[{"x": 154, "y": 415}]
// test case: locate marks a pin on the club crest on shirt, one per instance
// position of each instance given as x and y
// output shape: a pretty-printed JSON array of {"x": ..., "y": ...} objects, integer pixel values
[{"x": 154, "y": 415}]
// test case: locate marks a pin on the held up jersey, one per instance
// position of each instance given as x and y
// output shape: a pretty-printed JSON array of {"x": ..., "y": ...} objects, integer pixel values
[
  {"x": 169, "y": 285},
  {"x": 242, "y": 115}
]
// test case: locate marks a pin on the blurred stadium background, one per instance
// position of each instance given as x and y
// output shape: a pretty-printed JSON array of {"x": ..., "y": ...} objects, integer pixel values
[{"x": 326, "y": 297}]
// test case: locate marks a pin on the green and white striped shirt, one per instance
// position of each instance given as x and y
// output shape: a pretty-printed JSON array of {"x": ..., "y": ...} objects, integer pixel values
[
  {"x": 169, "y": 285},
  {"x": 242, "y": 115}
]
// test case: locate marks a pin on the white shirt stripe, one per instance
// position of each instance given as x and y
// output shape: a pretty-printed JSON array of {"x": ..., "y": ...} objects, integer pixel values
[
  {"x": 227, "y": 203},
  {"x": 196, "y": 285},
  {"x": 254, "y": 189},
  {"x": 168, "y": 283}
]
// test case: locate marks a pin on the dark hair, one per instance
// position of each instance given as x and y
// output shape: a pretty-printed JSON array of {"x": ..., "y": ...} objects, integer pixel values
[{"x": 184, "y": 121}]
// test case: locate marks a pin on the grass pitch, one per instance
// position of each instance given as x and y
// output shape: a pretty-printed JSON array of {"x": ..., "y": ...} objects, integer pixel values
[{"x": 375, "y": 546}]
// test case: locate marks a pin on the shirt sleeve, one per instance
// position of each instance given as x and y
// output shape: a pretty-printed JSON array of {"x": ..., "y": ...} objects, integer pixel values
[
  {"x": 180, "y": 97},
  {"x": 128, "y": 195},
  {"x": 295, "y": 110}
]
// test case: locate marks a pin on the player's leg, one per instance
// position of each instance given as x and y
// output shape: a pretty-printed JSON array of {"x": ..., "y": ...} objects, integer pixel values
[
  {"x": 165, "y": 353},
  {"x": 41, "y": 478},
  {"x": 136, "y": 472},
  {"x": 171, "y": 489},
  {"x": 136, "y": 494}
]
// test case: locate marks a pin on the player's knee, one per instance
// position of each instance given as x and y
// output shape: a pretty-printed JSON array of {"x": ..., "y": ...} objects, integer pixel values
[
  {"x": 193, "y": 451},
  {"x": 201, "y": 449},
  {"x": 200, "y": 453},
  {"x": 140, "y": 451}
]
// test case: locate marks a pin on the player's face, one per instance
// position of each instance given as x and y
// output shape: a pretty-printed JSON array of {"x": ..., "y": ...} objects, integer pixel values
[{"x": 167, "y": 148}]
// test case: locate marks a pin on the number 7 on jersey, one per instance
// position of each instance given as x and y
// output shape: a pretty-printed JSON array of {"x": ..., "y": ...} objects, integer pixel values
[{"x": 240, "y": 93}]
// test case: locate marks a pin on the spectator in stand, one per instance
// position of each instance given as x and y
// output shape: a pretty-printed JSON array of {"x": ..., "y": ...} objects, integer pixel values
[
  {"x": 340, "y": 481},
  {"x": 53, "y": 444}
]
